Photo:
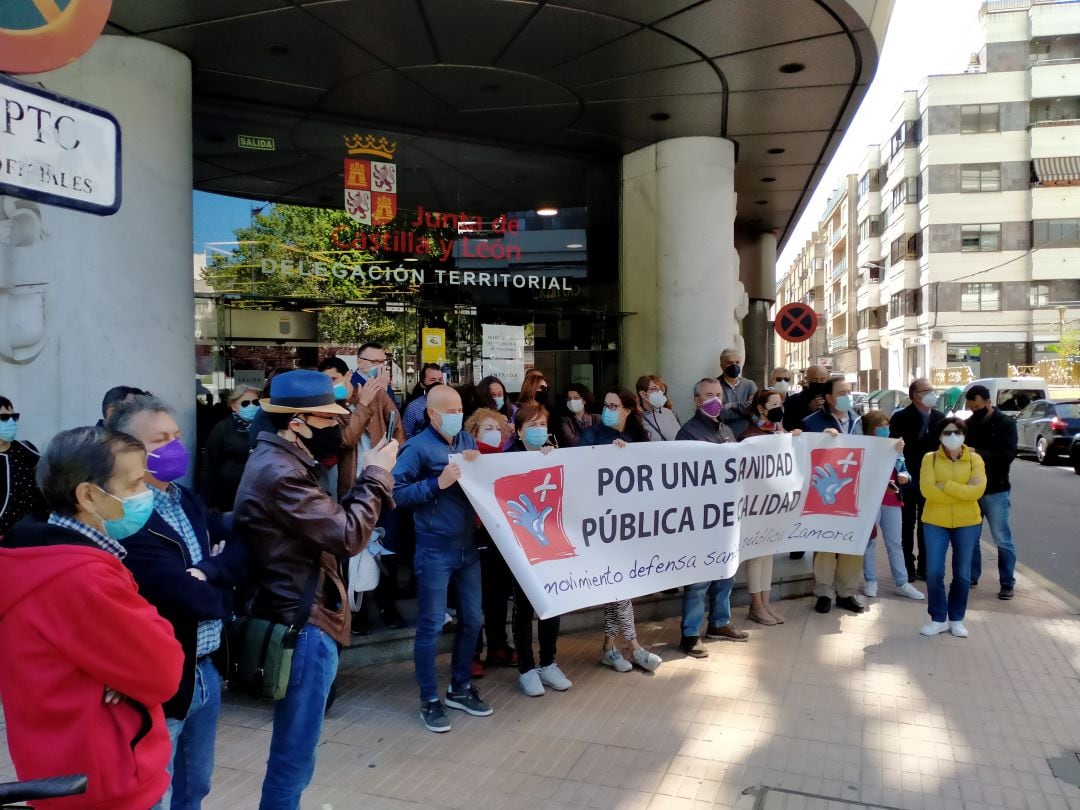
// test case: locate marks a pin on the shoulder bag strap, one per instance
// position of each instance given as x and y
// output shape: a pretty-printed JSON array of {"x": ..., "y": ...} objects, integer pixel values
[{"x": 304, "y": 608}]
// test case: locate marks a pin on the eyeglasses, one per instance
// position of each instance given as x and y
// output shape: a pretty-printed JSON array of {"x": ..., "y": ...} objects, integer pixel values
[
  {"x": 655, "y": 390},
  {"x": 14, "y": 417},
  {"x": 245, "y": 402},
  {"x": 374, "y": 362},
  {"x": 609, "y": 407}
]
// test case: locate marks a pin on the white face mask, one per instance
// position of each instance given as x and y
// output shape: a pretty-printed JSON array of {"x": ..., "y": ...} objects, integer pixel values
[
  {"x": 492, "y": 438},
  {"x": 930, "y": 400},
  {"x": 658, "y": 399},
  {"x": 781, "y": 386},
  {"x": 575, "y": 405},
  {"x": 953, "y": 441}
]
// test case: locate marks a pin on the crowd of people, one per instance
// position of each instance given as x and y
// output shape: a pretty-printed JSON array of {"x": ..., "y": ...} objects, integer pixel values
[{"x": 118, "y": 583}]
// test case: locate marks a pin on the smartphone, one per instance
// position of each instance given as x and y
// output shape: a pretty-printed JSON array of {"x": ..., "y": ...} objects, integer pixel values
[{"x": 391, "y": 426}]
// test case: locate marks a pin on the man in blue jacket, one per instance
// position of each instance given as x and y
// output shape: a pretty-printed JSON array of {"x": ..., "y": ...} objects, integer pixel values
[
  {"x": 836, "y": 576},
  {"x": 185, "y": 568},
  {"x": 426, "y": 482}
]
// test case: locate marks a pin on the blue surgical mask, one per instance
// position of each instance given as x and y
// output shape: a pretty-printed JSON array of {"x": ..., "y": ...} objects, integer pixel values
[
  {"x": 536, "y": 436},
  {"x": 8, "y": 430},
  {"x": 882, "y": 431},
  {"x": 450, "y": 424},
  {"x": 341, "y": 392},
  {"x": 247, "y": 413},
  {"x": 371, "y": 373},
  {"x": 609, "y": 417},
  {"x": 843, "y": 403},
  {"x": 137, "y": 510},
  {"x": 733, "y": 371},
  {"x": 499, "y": 402}
]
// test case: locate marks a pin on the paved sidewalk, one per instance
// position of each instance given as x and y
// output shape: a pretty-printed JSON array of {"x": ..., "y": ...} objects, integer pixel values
[{"x": 858, "y": 709}]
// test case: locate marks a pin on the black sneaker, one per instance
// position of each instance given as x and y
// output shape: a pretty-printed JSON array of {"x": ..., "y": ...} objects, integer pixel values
[
  {"x": 823, "y": 604},
  {"x": 691, "y": 645},
  {"x": 1005, "y": 593},
  {"x": 434, "y": 716},
  {"x": 469, "y": 702},
  {"x": 973, "y": 583},
  {"x": 360, "y": 624},
  {"x": 391, "y": 618},
  {"x": 851, "y": 603}
]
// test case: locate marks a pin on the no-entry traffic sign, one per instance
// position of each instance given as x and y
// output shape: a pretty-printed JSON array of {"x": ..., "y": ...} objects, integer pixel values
[{"x": 796, "y": 322}]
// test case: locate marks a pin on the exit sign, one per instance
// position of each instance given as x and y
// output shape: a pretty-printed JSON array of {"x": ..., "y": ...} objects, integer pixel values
[{"x": 255, "y": 142}]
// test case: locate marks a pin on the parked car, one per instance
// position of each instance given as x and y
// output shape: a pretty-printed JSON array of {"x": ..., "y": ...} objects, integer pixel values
[
  {"x": 859, "y": 400},
  {"x": 1009, "y": 395},
  {"x": 1074, "y": 453},
  {"x": 887, "y": 400},
  {"x": 1046, "y": 428}
]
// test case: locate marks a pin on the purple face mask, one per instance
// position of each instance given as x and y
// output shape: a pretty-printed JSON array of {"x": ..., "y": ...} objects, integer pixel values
[
  {"x": 712, "y": 407},
  {"x": 168, "y": 462}
]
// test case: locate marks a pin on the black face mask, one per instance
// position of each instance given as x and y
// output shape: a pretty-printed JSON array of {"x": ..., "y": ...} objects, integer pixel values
[
  {"x": 978, "y": 415},
  {"x": 542, "y": 396},
  {"x": 324, "y": 442},
  {"x": 816, "y": 389},
  {"x": 775, "y": 415}
]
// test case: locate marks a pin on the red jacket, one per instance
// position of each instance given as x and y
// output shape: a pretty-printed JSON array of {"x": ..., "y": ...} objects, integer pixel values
[{"x": 71, "y": 623}]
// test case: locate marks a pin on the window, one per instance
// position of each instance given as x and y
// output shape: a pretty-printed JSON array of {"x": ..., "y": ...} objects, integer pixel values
[
  {"x": 1039, "y": 295},
  {"x": 908, "y": 190},
  {"x": 908, "y": 246},
  {"x": 980, "y": 238},
  {"x": 980, "y": 177},
  {"x": 1058, "y": 233},
  {"x": 907, "y": 134},
  {"x": 906, "y": 303},
  {"x": 869, "y": 228},
  {"x": 983, "y": 297},
  {"x": 884, "y": 219},
  {"x": 980, "y": 118}
]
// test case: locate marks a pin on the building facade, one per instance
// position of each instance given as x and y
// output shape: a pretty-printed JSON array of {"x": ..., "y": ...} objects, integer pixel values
[{"x": 966, "y": 237}]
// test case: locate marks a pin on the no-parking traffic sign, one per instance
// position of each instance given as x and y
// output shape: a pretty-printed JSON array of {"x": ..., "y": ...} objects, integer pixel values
[{"x": 796, "y": 322}]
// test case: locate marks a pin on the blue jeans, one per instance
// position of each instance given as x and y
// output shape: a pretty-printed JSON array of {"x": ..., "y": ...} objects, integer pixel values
[
  {"x": 298, "y": 719},
  {"x": 889, "y": 521},
  {"x": 434, "y": 568},
  {"x": 996, "y": 509},
  {"x": 193, "y": 742},
  {"x": 963, "y": 540},
  {"x": 693, "y": 605}
]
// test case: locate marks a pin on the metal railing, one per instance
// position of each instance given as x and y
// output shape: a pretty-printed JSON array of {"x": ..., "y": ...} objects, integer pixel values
[
  {"x": 838, "y": 343},
  {"x": 839, "y": 269}
]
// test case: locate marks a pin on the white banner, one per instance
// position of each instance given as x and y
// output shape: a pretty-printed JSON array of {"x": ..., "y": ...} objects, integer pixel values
[{"x": 588, "y": 525}]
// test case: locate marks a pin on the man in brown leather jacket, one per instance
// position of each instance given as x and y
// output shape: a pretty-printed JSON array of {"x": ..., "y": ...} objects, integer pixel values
[{"x": 293, "y": 528}]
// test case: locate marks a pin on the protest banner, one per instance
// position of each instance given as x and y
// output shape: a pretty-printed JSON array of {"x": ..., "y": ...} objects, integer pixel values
[{"x": 588, "y": 525}]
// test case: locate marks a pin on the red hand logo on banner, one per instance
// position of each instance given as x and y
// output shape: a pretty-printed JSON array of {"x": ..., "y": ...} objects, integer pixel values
[
  {"x": 532, "y": 503},
  {"x": 834, "y": 483}
]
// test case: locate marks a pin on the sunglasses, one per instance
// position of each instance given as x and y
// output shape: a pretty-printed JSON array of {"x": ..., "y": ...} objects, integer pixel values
[
  {"x": 951, "y": 433},
  {"x": 14, "y": 417},
  {"x": 245, "y": 402},
  {"x": 782, "y": 379}
]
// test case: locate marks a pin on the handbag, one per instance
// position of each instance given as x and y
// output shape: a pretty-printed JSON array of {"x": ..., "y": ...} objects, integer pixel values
[{"x": 262, "y": 661}]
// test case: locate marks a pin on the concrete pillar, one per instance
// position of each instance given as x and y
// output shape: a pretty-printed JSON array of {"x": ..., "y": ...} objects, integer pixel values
[
  {"x": 757, "y": 271},
  {"x": 117, "y": 306},
  {"x": 678, "y": 265}
]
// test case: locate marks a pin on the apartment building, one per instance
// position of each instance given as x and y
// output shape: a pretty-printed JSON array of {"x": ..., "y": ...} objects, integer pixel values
[{"x": 965, "y": 248}]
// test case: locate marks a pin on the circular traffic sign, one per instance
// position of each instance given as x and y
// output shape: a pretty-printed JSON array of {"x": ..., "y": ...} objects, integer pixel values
[
  {"x": 796, "y": 322},
  {"x": 40, "y": 35}
]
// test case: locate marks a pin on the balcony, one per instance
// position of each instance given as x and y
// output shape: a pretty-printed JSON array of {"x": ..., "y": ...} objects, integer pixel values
[
  {"x": 869, "y": 336},
  {"x": 868, "y": 296},
  {"x": 837, "y": 235},
  {"x": 1052, "y": 139},
  {"x": 839, "y": 269},
  {"x": 838, "y": 344},
  {"x": 1055, "y": 79}
]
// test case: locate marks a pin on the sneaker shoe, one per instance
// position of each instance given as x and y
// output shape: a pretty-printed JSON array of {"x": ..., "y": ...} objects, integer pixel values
[
  {"x": 530, "y": 683},
  {"x": 850, "y": 603},
  {"x": 646, "y": 660},
  {"x": 468, "y": 700},
  {"x": 725, "y": 633},
  {"x": 973, "y": 583},
  {"x": 552, "y": 676},
  {"x": 870, "y": 589},
  {"x": 958, "y": 629},
  {"x": 823, "y": 604},
  {"x": 934, "y": 628},
  {"x": 613, "y": 658},
  {"x": 502, "y": 657},
  {"x": 360, "y": 624},
  {"x": 434, "y": 716},
  {"x": 910, "y": 591},
  {"x": 691, "y": 645},
  {"x": 477, "y": 670},
  {"x": 1006, "y": 593}
]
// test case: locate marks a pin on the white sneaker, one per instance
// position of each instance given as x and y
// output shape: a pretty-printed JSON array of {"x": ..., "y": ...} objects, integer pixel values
[
  {"x": 613, "y": 658},
  {"x": 910, "y": 591},
  {"x": 958, "y": 629},
  {"x": 647, "y": 660},
  {"x": 531, "y": 684},
  {"x": 870, "y": 589},
  {"x": 552, "y": 676},
  {"x": 934, "y": 628}
]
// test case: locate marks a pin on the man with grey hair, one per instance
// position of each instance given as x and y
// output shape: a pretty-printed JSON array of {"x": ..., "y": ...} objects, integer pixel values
[
  {"x": 186, "y": 567},
  {"x": 706, "y": 426},
  {"x": 738, "y": 392}
]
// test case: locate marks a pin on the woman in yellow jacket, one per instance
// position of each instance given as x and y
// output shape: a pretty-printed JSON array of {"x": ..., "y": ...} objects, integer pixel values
[{"x": 952, "y": 480}]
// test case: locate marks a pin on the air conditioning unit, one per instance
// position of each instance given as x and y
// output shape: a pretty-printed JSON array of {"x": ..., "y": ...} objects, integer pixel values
[{"x": 938, "y": 334}]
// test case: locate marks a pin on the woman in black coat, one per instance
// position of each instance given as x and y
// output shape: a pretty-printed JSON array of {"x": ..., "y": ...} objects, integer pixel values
[{"x": 227, "y": 450}]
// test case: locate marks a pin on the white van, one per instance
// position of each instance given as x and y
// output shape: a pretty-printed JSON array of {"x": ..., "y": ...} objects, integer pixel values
[{"x": 1009, "y": 395}]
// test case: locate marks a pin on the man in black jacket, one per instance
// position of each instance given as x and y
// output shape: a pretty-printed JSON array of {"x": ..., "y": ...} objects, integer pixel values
[
  {"x": 917, "y": 426},
  {"x": 992, "y": 435},
  {"x": 810, "y": 399},
  {"x": 186, "y": 569}
]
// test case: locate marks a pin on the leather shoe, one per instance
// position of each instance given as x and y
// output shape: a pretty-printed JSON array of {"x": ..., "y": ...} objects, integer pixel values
[
  {"x": 1005, "y": 593},
  {"x": 691, "y": 645},
  {"x": 823, "y": 604},
  {"x": 391, "y": 618},
  {"x": 850, "y": 603},
  {"x": 726, "y": 633}
]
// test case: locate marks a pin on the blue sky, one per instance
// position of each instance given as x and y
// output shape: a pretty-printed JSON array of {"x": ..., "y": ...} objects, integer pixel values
[{"x": 217, "y": 217}]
